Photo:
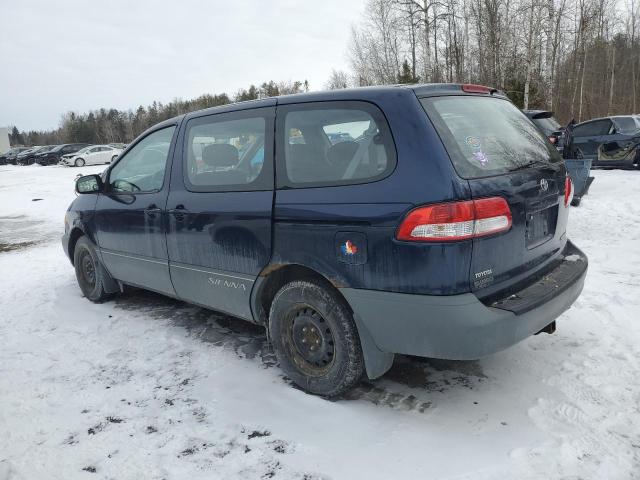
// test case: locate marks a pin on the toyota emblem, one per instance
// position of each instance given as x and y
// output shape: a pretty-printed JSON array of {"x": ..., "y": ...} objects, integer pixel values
[{"x": 544, "y": 185}]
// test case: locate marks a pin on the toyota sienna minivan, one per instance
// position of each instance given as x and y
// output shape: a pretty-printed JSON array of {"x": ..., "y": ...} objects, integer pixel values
[{"x": 435, "y": 227}]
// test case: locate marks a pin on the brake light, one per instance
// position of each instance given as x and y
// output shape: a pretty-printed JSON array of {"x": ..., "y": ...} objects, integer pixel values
[
  {"x": 447, "y": 222},
  {"x": 471, "y": 88},
  {"x": 553, "y": 139},
  {"x": 568, "y": 190}
]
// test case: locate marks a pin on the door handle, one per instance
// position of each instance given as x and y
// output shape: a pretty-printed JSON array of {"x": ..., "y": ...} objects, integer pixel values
[
  {"x": 179, "y": 212},
  {"x": 152, "y": 210}
]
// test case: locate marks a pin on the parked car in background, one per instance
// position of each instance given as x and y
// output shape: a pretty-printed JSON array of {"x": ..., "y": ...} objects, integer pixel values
[
  {"x": 53, "y": 156},
  {"x": 28, "y": 157},
  {"x": 547, "y": 124},
  {"x": 338, "y": 137},
  {"x": 10, "y": 156},
  {"x": 91, "y": 155},
  {"x": 21, "y": 158},
  {"x": 609, "y": 141},
  {"x": 348, "y": 253}
]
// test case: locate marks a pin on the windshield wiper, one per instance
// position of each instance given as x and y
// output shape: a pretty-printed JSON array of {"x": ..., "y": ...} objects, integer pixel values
[{"x": 534, "y": 163}]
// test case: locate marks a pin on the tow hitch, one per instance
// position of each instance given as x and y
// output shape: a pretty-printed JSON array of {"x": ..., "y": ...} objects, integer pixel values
[{"x": 551, "y": 328}]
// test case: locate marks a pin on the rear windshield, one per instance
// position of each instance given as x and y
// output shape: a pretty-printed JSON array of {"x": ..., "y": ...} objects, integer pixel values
[
  {"x": 547, "y": 125},
  {"x": 487, "y": 136}
]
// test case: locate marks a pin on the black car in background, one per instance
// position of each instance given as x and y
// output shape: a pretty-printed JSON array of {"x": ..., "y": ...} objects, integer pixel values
[
  {"x": 28, "y": 156},
  {"x": 547, "y": 124},
  {"x": 9, "y": 158},
  {"x": 53, "y": 156},
  {"x": 20, "y": 158},
  {"x": 608, "y": 142}
]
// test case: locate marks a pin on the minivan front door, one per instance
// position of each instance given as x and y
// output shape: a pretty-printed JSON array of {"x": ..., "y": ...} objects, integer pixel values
[
  {"x": 129, "y": 215},
  {"x": 220, "y": 207}
]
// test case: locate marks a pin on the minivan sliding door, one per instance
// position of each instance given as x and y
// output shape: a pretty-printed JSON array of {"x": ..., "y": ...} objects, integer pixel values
[{"x": 219, "y": 208}]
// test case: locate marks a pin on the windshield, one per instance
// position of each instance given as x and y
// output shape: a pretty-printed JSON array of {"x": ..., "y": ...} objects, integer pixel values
[
  {"x": 487, "y": 136},
  {"x": 83, "y": 150},
  {"x": 626, "y": 124}
]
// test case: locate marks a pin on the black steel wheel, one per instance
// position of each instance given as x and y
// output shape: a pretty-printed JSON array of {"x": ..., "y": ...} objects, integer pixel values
[
  {"x": 89, "y": 273},
  {"x": 310, "y": 342},
  {"x": 315, "y": 338}
]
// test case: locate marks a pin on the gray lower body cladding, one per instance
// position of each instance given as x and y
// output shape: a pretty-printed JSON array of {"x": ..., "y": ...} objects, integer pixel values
[{"x": 455, "y": 327}]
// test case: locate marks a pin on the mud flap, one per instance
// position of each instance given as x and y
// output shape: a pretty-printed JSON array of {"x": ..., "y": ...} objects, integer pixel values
[
  {"x": 108, "y": 283},
  {"x": 376, "y": 362}
]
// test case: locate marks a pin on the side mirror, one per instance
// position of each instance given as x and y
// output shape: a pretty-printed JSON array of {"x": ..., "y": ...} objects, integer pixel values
[{"x": 89, "y": 184}]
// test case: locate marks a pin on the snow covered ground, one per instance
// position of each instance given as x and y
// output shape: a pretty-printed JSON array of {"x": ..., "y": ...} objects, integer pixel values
[{"x": 144, "y": 387}]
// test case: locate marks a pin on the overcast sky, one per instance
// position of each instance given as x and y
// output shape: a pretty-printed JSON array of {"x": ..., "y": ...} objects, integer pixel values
[{"x": 62, "y": 55}]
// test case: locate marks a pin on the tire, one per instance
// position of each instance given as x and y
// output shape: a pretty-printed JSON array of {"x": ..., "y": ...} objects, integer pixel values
[
  {"x": 79, "y": 162},
  {"x": 89, "y": 272},
  {"x": 305, "y": 316}
]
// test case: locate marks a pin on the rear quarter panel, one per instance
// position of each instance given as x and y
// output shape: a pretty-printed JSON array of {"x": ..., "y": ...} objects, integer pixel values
[{"x": 311, "y": 223}]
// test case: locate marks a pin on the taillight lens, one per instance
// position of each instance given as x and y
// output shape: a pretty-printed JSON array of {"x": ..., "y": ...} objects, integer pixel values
[
  {"x": 568, "y": 191},
  {"x": 447, "y": 222},
  {"x": 553, "y": 140},
  {"x": 471, "y": 88}
]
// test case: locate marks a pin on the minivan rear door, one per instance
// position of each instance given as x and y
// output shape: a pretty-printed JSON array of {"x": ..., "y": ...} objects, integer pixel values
[
  {"x": 220, "y": 207},
  {"x": 502, "y": 154}
]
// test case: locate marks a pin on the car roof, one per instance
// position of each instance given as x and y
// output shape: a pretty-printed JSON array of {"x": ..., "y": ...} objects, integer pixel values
[
  {"x": 353, "y": 94},
  {"x": 612, "y": 117}
]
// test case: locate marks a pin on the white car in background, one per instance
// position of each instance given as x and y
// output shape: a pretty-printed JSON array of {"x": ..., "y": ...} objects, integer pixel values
[{"x": 91, "y": 155}]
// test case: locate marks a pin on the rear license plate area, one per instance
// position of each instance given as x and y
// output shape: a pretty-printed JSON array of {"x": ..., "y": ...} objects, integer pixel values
[{"x": 541, "y": 226}]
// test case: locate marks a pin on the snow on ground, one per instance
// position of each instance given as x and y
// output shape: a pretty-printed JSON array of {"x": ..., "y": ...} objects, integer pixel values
[{"x": 149, "y": 387}]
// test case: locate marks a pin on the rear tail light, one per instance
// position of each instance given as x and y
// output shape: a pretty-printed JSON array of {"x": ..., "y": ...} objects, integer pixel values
[
  {"x": 568, "y": 191},
  {"x": 553, "y": 140},
  {"x": 446, "y": 222},
  {"x": 471, "y": 88}
]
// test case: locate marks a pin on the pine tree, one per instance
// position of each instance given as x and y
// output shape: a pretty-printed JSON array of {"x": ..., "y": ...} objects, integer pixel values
[{"x": 406, "y": 75}]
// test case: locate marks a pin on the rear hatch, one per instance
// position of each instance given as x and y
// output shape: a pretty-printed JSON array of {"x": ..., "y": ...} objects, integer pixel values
[{"x": 495, "y": 147}]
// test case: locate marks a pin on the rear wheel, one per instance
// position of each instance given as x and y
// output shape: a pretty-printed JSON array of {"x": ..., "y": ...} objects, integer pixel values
[
  {"x": 89, "y": 272},
  {"x": 315, "y": 339},
  {"x": 79, "y": 162}
]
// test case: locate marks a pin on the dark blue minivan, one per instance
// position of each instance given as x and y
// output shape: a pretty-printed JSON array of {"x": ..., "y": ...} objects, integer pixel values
[{"x": 353, "y": 224}]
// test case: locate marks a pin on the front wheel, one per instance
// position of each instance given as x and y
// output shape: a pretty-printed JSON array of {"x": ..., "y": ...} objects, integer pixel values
[
  {"x": 79, "y": 162},
  {"x": 315, "y": 339},
  {"x": 89, "y": 273}
]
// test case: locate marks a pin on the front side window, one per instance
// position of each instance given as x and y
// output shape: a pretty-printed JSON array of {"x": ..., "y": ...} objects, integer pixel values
[
  {"x": 226, "y": 152},
  {"x": 334, "y": 143},
  {"x": 487, "y": 136},
  {"x": 598, "y": 127},
  {"x": 142, "y": 168}
]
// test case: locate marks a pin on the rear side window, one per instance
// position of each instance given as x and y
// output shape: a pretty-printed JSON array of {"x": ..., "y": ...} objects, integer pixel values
[
  {"x": 626, "y": 125},
  {"x": 333, "y": 143},
  {"x": 487, "y": 136},
  {"x": 229, "y": 151}
]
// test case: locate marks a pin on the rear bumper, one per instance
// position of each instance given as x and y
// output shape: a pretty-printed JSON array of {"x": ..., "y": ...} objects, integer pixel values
[{"x": 461, "y": 327}]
